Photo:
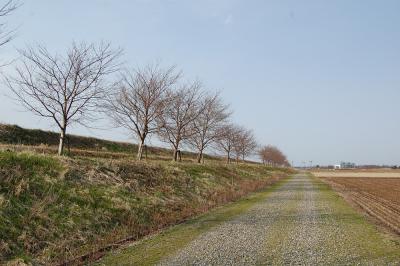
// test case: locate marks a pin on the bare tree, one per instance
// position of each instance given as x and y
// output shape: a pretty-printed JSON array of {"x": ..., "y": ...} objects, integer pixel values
[
  {"x": 64, "y": 88},
  {"x": 140, "y": 100},
  {"x": 262, "y": 154},
  {"x": 182, "y": 109},
  {"x": 6, "y": 9},
  {"x": 245, "y": 143},
  {"x": 227, "y": 139},
  {"x": 271, "y": 155},
  {"x": 208, "y": 124}
]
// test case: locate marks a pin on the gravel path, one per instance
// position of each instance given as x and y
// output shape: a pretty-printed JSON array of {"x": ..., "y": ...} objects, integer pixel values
[{"x": 300, "y": 223}]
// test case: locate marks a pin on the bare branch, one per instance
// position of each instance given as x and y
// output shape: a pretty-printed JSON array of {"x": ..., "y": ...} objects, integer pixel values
[
  {"x": 271, "y": 155},
  {"x": 207, "y": 125},
  {"x": 140, "y": 99},
  {"x": 236, "y": 141},
  {"x": 6, "y": 9},
  {"x": 181, "y": 111},
  {"x": 67, "y": 89},
  {"x": 245, "y": 143}
]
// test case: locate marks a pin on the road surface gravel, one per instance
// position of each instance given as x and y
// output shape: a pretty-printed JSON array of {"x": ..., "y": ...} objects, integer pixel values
[{"x": 302, "y": 222}]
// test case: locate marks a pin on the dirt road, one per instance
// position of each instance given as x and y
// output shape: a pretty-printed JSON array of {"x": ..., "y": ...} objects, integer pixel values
[{"x": 300, "y": 222}]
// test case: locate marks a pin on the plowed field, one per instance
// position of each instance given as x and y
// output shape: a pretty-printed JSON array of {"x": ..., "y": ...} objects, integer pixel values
[{"x": 379, "y": 197}]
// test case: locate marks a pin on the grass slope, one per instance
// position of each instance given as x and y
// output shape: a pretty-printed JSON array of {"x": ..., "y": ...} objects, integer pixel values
[
  {"x": 13, "y": 134},
  {"x": 52, "y": 209},
  {"x": 15, "y": 138},
  {"x": 151, "y": 250}
]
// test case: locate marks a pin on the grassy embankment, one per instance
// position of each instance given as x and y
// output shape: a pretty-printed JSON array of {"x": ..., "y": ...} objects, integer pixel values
[
  {"x": 15, "y": 138},
  {"x": 53, "y": 209}
]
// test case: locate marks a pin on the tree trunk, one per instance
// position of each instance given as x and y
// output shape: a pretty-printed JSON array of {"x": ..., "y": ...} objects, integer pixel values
[
  {"x": 140, "y": 150},
  {"x": 228, "y": 159},
  {"x": 180, "y": 155},
  {"x": 61, "y": 144},
  {"x": 177, "y": 152},
  {"x": 199, "y": 156}
]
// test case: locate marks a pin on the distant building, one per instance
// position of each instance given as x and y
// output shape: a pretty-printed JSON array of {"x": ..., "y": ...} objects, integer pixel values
[
  {"x": 337, "y": 166},
  {"x": 347, "y": 165}
]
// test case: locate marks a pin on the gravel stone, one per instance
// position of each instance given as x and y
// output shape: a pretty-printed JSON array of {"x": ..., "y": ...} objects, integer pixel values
[{"x": 294, "y": 225}]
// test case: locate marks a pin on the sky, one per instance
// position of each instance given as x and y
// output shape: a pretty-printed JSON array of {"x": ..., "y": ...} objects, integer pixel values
[{"x": 318, "y": 79}]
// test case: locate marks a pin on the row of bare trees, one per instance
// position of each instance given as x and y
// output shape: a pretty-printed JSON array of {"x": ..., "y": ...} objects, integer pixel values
[
  {"x": 271, "y": 155},
  {"x": 237, "y": 142},
  {"x": 75, "y": 88},
  {"x": 148, "y": 101},
  {"x": 154, "y": 101}
]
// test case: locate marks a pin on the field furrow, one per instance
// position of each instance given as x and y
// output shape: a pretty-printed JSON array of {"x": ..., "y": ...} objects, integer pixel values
[
  {"x": 378, "y": 196},
  {"x": 378, "y": 211}
]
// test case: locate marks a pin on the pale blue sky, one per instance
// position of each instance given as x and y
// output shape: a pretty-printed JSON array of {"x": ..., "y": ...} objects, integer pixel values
[{"x": 319, "y": 79}]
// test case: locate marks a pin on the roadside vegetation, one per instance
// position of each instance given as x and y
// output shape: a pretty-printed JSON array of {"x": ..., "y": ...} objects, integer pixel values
[{"x": 53, "y": 209}]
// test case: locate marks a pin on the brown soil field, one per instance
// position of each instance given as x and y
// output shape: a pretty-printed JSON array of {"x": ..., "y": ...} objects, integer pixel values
[
  {"x": 379, "y": 197},
  {"x": 358, "y": 173},
  {"x": 358, "y": 170}
]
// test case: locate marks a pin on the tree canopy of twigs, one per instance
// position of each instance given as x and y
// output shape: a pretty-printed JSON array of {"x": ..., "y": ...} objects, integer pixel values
[
  {"x": 227, "y": 137},
  {"x": 206, "y": 127},
  {"x": 140, "y": 99},
  {"x": 236, "y": 142},
  {"x": 245, "y": 143},
  {"x": 183, "y": 108},
  {"x": 6, "y": 9},
  {"x": 271, "y": 155},
  {"x": 66, "y": 89}
]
